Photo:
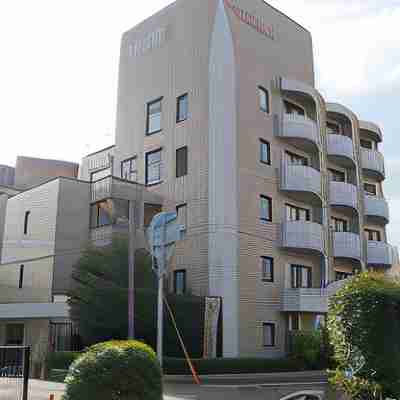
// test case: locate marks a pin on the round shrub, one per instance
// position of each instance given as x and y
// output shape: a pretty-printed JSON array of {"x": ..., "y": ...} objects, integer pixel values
[{"x": 116, "y": 370}]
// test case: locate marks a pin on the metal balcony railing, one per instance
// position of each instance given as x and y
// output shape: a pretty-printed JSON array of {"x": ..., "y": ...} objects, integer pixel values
[
  {"x": 343, "y": 194},
  {"x": 346, "y": 245},
  {"x": 302, "y": 235},
  {"x": 381, "y": 253},
  {"x": 339, "y": 145},
  {"x": 373, "y": 160},
  {"x": 376, "y": 207}
]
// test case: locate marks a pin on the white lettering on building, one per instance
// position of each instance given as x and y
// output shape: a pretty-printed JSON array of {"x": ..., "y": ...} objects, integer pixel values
[{"x": 151, "y": 41}]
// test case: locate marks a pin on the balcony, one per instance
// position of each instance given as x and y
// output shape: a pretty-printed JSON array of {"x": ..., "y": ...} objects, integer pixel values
[
  {"x": 341, "y": 147},
  {"x": 303, "y": 235},
  {"x": 300, "y": 178},
  {"x": 297, "y": 127},
  {"x": 377, "y": 208},
  {"x": 305, "y": 300},
  {"x": 343, "y": 194},
  {"x": 346, "y": 245},
  {"x": 381, "y": 254},
  {"x": 373, "y": 163},
  {"x": 373, "y": 129}
]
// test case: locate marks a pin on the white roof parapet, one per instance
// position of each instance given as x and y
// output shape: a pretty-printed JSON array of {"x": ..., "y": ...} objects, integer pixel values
[{"x": 34, "y": 311}]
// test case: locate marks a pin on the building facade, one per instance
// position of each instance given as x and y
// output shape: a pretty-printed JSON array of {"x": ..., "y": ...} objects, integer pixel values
[{"x": 7, "y": 175}]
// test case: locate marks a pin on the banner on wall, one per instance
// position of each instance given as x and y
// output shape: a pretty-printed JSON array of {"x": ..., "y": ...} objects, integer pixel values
[{"x": 211, "y": 319}]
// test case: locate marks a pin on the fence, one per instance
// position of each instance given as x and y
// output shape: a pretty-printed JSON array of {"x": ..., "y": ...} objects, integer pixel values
[{"x": 14, "y": 372}]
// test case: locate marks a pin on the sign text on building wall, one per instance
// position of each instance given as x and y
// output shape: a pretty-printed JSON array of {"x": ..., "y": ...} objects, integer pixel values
[
  {"x": 254, "y": 21},
  {"x": 153, "y": 40}
]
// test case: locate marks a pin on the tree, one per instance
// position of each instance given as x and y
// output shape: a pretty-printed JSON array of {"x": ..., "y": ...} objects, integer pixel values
[
  {"x": 364, "y": 329},
  {"x": 99, "y": 301}
]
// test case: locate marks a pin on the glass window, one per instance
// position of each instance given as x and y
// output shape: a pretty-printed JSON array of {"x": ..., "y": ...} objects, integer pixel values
[
  {"x": 338, "y": 225},
  {"x": 181, "y": 162},
  {"x": 182, "y": 109},
  {"x": 26, "y": 222},
  {"x": 265, "y": 208},
  {"x": 333, "y": 128},
  {"x": 154, "y": 117},
  {"x": 373, "y": 235},
  {"x": 264, "y": 99},
  {"x": 129, "y": 169},
  {"x": 294, "y": 213},
  {"x": 367, "y": 144},
  {"x": 101, "y": 214},
  {"x": 14, "y": 334},
  {"x": 339, "y": 276},
  {"x": 181, "y": 212},
  {"x": 295, "y": 321},
  {"x": 370, "y": 189},
  {"x": 153, "y": 167},
  {"x": 267, "y": 269},
  {"x": 301, "y": 276},
  {"x": 291, "y": 108},
  {"x": 295, "y": 159},
  {"x": 265, "y": 152},
  {"x": 268, "y": 334},
  {"x": 337, "y": 176},
  {"x": 180, "y": 281},
  {"x": 98, "y": 175}
]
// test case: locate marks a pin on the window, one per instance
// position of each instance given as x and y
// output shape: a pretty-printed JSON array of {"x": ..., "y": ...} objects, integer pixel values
[
  {"x": 14, "y": 334},
  {"x": 26, "y": 222},
  {"x": 295, "y": 159},
  {"x": 265, "y": 152},
  {"x": 153, "y": 117},
  {"x": 267, "y": 269},
  {"x": 153, "y": 167},
  {"x": 370, "y": 189},
  {"x": 129, "y": 169},
  {"x": 301, "y": 276},
  {"x": 101, "y": 214},
  {"x": 21, "y": 277},
  {"x": 367, "y": 144},
  {"x": 333, "y": 128},
  {"x": 150, "y": 210},
  {"x": 337, "y": 176},
  {"x": 180, "y": 281},
  {"x": 268, "y": 334},
  {"x": 181, "y": 162},
  {"x": 98, "y": 175},
  {"x": 338, "y": 225},
  {"x": 372, "y": 235},
  {"x": 294, "y": 321},
  {"x": 339, "y": 276},
  {"x": 291, "y": 108},
  {"x": 294, "y": 213},
  {"x": 181, "y": 212},
  {"x": 264, "y": 99},
  {"x": 182, "y": 108},
  {"x": 265, "y": 208}
]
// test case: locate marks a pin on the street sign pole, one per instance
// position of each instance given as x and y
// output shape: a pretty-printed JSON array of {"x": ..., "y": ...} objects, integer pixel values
[{"x": 160, "y": 313}]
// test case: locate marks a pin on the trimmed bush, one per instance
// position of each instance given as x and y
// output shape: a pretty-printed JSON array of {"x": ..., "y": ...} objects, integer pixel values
[
  {"x": 307, "y": 348},
  {"x": 61, "y": 359},
  {"x": 116, "y": 370}
]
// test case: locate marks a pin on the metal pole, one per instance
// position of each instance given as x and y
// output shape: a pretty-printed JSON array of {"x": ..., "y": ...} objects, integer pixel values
[
  {"x": 160, "y": 313},
  {"x": 26, "y": 370},
  {"x": 131, "y": 266}
]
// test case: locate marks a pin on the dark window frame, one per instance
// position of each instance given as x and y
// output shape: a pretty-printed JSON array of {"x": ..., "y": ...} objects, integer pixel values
[
  {"x": 176, "y": 273},
  {"x": 268, "y": 144},
  {"x": 336, "y": 220},
  {"x": 298, "y": 210},
  {"x": 271, "y": 260},
  {"x": 336, "y": 172},
  {"x": 26, "y": 222},
  {"x": 295, "y": 106},
  {"x": 267, "y": 96},
  {"x": 130, "y": 167},
  {"x": 178, "y": 207},
  {"x": 371, "y": 232},
  {"x": 291, "y": 154},
  {"x": 272, "y": 325},
  {"x": 269, "y": 199},
  {"x": 295, "y": 282},
  {"x": 181, "y": 171},
  {"x": 148, "y": 105},
  {"x": 178, "y": 105},
  {"x": 367, "y": 144},
  {"x": 21, "y": 276},
  {"x": 160, "y": 149},
  {"x": 369, "y": 193}
]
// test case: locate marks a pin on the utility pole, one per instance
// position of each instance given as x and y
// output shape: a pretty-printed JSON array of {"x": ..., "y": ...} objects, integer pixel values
[{"x": 131, "y": 266}]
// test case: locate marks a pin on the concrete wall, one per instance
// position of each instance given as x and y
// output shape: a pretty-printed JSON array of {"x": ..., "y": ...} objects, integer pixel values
[{"x": 7, "y": 175}]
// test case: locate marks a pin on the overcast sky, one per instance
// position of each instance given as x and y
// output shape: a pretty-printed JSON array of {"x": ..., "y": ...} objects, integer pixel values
[{"x": 59, "y": 65}]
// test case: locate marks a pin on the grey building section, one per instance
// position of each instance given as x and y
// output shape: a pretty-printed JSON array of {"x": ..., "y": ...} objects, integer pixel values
[{"x": 7, "y": 175}]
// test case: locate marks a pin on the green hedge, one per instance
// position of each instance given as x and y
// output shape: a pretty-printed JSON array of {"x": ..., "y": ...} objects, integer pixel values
[{"x": 61, "y": 360}]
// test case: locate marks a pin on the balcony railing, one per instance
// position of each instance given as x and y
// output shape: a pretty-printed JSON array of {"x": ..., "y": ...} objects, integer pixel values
[
  {"x": 377, "y": 207},
  {"x": 381, "y": 253},
  {"x": 300, "y": 178},
  {"x": 339, "y": 145},
  {"x": 302, "y": 235},
  {"x": 346, "y": 245},
  {"x": 373, "y": 128},
  {"x": 298, "y": 127},
  {"x": 373, "y": 160},
  {"x": 343, "y": 194},
  {"x": 305, "y": 300}
]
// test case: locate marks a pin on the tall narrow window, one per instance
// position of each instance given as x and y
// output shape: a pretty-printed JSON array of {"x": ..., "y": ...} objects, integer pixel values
[
  {"x": 182, "y": 108},
  {"x": 301, "y": 276},
  {"x": 373, "y": 235},
  {"x": 181, "y": 212},
  {"x": 295, "y": 159},
  {"x": 153, "y": 167},
  {"x": 265, "y": 152},
  {"x": 263, "y": 99},
  {"x": 269, "y": 334},
  {"x": 129, "y": 169},
  {"x": 154, "y": 113},
  {"x": 265, "y": 208},
  {"x": 337, "y": 176},
  {"x": 267, "y": 269},
  {"x": 294, "y": 213},
  {"x": 181, "y": 162},
  {"x": 180, "y": 282},
  {"x": 26, "y": 222},
  {"x": 21, "y": 277},
  {"x": 338, "y": 224}
]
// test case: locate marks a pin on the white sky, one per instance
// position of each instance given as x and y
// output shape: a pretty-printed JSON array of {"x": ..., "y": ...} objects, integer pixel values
[{"x": 59, "y": 66}]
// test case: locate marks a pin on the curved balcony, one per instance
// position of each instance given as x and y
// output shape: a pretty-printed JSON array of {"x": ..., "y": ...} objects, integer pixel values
[
  {"x": 377, "y": 208},
  {"x": 373, "y": 163},
  {"x": 341, "y": 147},
  {"x": 305, "y": 300},
  {"x": 299, "y": 128},
  {"x": 346, "y": 245},
  {"x": 302, "y": 235},
  {"x": 343, "y": 194},
  {"x": 373, "y": 129},
  {"x": 300, "y": 178},
  {"x": 381, "y": 254}
]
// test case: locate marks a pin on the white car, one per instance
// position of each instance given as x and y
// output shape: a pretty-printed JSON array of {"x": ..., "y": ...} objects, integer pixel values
[{"x": 305, "y": 395}]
